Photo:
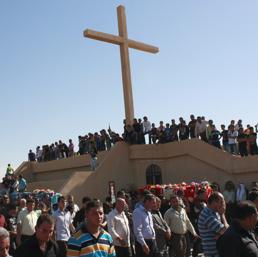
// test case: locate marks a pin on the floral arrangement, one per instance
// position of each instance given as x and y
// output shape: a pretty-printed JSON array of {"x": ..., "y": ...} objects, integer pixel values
[{"x": 188, "y": 191}]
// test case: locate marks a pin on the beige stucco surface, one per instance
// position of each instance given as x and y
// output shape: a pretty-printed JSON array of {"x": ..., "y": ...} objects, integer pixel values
[{"x": 190, "y": 160}]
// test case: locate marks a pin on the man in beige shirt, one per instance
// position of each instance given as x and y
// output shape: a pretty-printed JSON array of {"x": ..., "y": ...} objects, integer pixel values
[
  {"x": 179, "y": 225},
  {"x": 26, "y": 222}
]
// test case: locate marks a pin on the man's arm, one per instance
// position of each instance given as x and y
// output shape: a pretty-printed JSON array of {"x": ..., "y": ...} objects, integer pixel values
[
  {"x": 111, "y": 227},
  {"x": 71, "y": 227},
  {"x": 190, "y": 226},
  {"x": 18, "y": 237},
  {"x": 137, "y": 227},
  {"x": 19, "y": 228}
]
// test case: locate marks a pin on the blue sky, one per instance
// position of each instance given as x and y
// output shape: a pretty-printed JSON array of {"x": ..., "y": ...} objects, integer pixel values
[{"x": 56, "y": 84}]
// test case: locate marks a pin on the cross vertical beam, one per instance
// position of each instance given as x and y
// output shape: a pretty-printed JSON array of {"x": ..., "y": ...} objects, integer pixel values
[{"x": 125, "y": 66}]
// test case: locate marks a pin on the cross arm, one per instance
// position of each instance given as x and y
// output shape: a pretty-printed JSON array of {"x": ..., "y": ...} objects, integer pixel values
[
  {"x": 109, "y": 38},
  {"x": 142, "y": 46},
  {"x": 103, "y": 36}
]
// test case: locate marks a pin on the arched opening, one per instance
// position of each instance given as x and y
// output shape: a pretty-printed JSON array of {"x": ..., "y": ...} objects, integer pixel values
[{"x": 153, "y": 175}]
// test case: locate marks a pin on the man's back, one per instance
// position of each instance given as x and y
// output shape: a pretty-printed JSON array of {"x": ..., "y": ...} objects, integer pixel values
[
  {"x": 237, "y": 242},
  {"x": 209, "y": 225},
  {"x": 30, "y": 248}
]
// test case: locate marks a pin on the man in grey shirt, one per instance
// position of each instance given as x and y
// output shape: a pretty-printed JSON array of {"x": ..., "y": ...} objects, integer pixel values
[{"x": 162, "y": 229}]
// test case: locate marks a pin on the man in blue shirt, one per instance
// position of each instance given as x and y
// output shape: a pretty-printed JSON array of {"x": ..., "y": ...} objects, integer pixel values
[
  {"x": 212, "y": 223},
  {"x": 143, "y": 228},
  {"x": 22, "y": 184}
]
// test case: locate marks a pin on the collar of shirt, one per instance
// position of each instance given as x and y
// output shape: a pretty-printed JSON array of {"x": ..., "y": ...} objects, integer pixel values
[
  {"x": 118, "y": 213},
  {"x": 85, "y": 230},
  {"x": 143, "y": 209}
]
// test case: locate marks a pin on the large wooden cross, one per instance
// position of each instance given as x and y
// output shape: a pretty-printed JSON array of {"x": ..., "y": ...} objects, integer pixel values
[{"x": 124, "y": 43}]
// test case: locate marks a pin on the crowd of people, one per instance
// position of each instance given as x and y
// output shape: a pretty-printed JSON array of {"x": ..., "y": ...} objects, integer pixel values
[
  {"x": 233, "y": 138},
  {"x": 88, "y": 144},
  {"x": 139, "y": 223},
  {"x": 11, "y": 183}
]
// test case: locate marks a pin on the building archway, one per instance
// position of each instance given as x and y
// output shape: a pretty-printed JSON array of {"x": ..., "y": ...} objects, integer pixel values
[{"x": 153, "y": 175}]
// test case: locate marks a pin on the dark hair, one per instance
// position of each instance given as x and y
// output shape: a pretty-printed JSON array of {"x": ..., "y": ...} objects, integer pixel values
[
  {"x": 214, "y": 197},
  {"x": 201, "y": 191},
  {"x": 245, "y": 209},
  {"x": 86, "y": 199},
  {"x": 93, "y": 204},
  {"x": 120, "y": 194},
  {"x": 173, "y": 196},
  {"x": 108, "y": 199},
  {"x": 12, "y": 206},
  {"x": 30, "y": 201},
  {"x": 253, "y": 195},
  {"x": 45, "y": 218},
  {"x": 60, "y": 198},
  {"x": 148, "y": 197}
]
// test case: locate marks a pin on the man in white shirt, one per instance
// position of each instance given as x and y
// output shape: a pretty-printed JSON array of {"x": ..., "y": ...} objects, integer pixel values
[
  {"x": 232, "y": 135},
  {"x": 200, "y": 129},
  {"x": 118, "y": 227},
  {"x": 71, "y": 206},
  {"x": 63, "y": 226},
  {"x": 26, "y": 222},
  {"x": 147, "y": 127}
]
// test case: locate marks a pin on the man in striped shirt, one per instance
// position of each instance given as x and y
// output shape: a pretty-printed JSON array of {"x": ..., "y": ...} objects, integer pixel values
[
  {"x": 91, "y": 240},
  {"x": 212, "y": 224}
]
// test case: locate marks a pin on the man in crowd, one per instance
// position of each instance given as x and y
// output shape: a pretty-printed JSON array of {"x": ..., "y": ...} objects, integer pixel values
[
  {"x": 232, "y": 136},
  {"x": 252, "y": 141},
  {"x": 22, "y": 204},
  {"x": 9, "y": 170},
  {"x": 31, "y": 156},
  {"x": 200, "y": 129},
  {"x": 238, "y": 240},
  {"x": 224, "y": 134},
  {"x": 4, "y": 242},
  {"x": 26, "y": 222},
  {"x": 11, "y": 226},
  {"x": 118, "y": 227},
  {"x": 179, "y": 225},
  {"x": 63, "y": 226},
  {"x": 144, "y": 232},
  {"x": 41, "y": 243},
  {"x": 71, "y": 206},
  {"x": 253, "y": 196},
  {"x": 80, "y": 215},
  {"x": 22, "y": 184},
  {"x": 91, "y": 240},
  {"x": 212, "y": 223},
  {"x": 162, "y": 229},
  {"x": 199, "y": 202},
  {"x": 191, "y": 126},
  {"x": 147, "y": 128},
  {"x": 242, "y": 142}
]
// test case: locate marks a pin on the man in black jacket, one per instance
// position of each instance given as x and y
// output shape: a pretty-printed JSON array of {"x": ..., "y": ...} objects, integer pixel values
[
  {"x": 80, "y": 215},
  {"x": 41, "y": 243},
  {"x": 239, "y": 240}
]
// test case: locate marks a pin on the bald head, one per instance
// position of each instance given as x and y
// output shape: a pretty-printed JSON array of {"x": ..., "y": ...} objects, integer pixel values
[
  {"x": 120, "y": 204},
  {"x": 23, "y": 203}
]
